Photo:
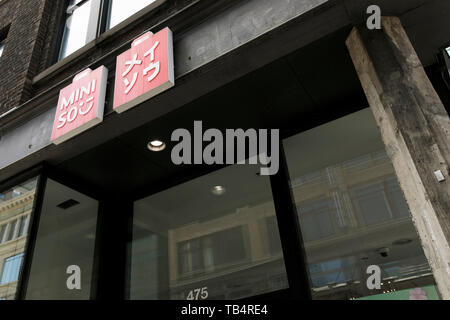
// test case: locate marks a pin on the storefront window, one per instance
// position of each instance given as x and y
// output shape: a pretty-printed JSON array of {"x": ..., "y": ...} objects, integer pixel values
[
  {"x": 352, "y": 212},
  {"x": 62, "y": 261},
  {"x": 215, "y": 237},
  {"x": 76, "y": 27},
  {"x": 121, "y": 9},
  {"x": 16, "y": 205}
]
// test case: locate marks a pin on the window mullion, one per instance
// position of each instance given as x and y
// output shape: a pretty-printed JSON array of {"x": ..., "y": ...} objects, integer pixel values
[
  {"x": 290, "y": 232},
  {"x": 94, "y": 20},
  {"x": 8, "y": 227},
  {"x": 17, "y": 227}
]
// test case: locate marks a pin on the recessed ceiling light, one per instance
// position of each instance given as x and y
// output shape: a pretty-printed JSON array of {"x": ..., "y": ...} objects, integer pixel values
[
  {"x": 218, "y": 190},
  {"x": 156, "y": 145},
  {"x": 68, "y": 204}
]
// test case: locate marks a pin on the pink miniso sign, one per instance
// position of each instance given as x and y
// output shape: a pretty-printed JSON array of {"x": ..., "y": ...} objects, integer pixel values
[
  {"x": 80, "y": 105},
  {"x": 145, "y": 70}
]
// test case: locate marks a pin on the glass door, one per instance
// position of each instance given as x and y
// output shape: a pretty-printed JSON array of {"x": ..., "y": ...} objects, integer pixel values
[{"x": 61, "y": 263}]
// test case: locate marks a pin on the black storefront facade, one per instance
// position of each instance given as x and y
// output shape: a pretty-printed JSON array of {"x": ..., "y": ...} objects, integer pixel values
[{"x": 139, "y": 227}]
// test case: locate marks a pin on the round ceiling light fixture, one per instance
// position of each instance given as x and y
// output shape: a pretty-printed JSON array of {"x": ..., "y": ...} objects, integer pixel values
[
  {"x": 156, "y": 145},
  {"x": 218, "y": 190}
]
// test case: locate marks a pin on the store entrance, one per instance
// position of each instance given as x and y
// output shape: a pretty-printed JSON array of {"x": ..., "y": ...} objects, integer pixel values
[{"x": 168, "y": 231}]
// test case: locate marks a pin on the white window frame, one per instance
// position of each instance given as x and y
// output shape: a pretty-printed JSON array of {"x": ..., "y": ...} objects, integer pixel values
[
  {"x": 4, "y": 264},
  {"x": 2, "y": 47},
  {"x": 16, "y": 227},
  {"x": 92, "y": 24},
  {"x": 98, "y": 16}
]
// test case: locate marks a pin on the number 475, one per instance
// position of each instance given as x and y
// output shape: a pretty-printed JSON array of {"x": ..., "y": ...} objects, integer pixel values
[{"x": 198, "y": 294}]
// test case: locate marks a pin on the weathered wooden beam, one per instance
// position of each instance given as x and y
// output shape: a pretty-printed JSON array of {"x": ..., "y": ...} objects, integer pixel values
[{"x": 415, "y": 128}]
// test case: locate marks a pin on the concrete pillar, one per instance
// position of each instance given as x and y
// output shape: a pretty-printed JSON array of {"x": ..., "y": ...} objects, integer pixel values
[
  {"x": 415, "y": 129},
  {"x": 256, "y": 241}
]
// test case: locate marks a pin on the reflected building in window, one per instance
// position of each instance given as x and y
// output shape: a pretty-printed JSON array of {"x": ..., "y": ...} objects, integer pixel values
[
  {"x": 236, "y": 256},
  {"x": 227, "y": 244},
  {"x": 15, "y": 209},
  {"x": 352, "y": 212}
]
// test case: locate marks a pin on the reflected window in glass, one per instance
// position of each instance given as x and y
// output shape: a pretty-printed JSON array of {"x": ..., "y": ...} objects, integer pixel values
[{"x": 189, "y": 240}]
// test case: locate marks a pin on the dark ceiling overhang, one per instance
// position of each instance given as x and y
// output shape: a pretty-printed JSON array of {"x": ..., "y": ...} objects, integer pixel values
[{"x": 26, "y": 145}]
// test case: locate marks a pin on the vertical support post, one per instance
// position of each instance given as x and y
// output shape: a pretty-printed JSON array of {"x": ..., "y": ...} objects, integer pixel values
[
  {"x": 290, "y": 233},
  {"x": 415, "y": 128},
  {"x": 24, "y": 273},
  {"x": 109, "y": 276}
]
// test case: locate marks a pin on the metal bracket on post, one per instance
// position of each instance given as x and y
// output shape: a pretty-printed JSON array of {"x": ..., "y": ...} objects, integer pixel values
[{"x": 439, "y": 176}]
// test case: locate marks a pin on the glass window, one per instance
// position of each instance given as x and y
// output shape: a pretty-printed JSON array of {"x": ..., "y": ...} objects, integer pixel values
[
  {"x": 352, "y": 212},
  {"x": 119, "y": 10},
  {"x": 65, "y": 238},
  {"x": 76, "y": 27},
  {"x": 215, "y": 237},
  {"x": 12, "y": 230},
  {"x": 207, "y": 252},
  {"x": 15, "y": 203},
  {"x": 2, "y": 232},
  {"x": 316, "y": 216},
  {"x": 23, "y": 225},
  {"x": 11, "y": 268},
  {"x": 83, "y": 17},
  {"x": 16, "y": 193}
]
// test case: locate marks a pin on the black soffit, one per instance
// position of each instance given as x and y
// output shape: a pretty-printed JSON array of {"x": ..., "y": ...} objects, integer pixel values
[{"x": 311, "y": 86}]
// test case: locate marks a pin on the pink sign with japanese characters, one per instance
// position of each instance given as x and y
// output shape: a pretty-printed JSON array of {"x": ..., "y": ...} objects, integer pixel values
[
  {"x": 145, "y": 70},
  {"x": 80, "y": 105}
]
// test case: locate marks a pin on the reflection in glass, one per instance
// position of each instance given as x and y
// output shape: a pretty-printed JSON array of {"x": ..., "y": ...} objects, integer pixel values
[
  {"x": 11, "y": 268},
  {"x": 65, "y": 237},
  {"x": 22, "y": 225},
  {"x": 12, "y": 230},
  {"x": 2, "y": 46},
  {"x": 122, "y": 9},
  {"x": 350, "y": 206},
  {"x": 189, "y": 238},
  {"x": 15, "y": 210},
  {"x": 76, "y": 27}
]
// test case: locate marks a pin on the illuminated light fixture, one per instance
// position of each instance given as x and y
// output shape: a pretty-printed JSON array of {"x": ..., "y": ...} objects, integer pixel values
[
  {"x": 218, "y": 190},
  {"x": 156, "y": 145}
]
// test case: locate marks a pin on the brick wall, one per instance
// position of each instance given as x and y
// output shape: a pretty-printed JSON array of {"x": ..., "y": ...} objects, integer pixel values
[
  {"x": 27, "y": 21},
  {"x": 33, "y": 39}
]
